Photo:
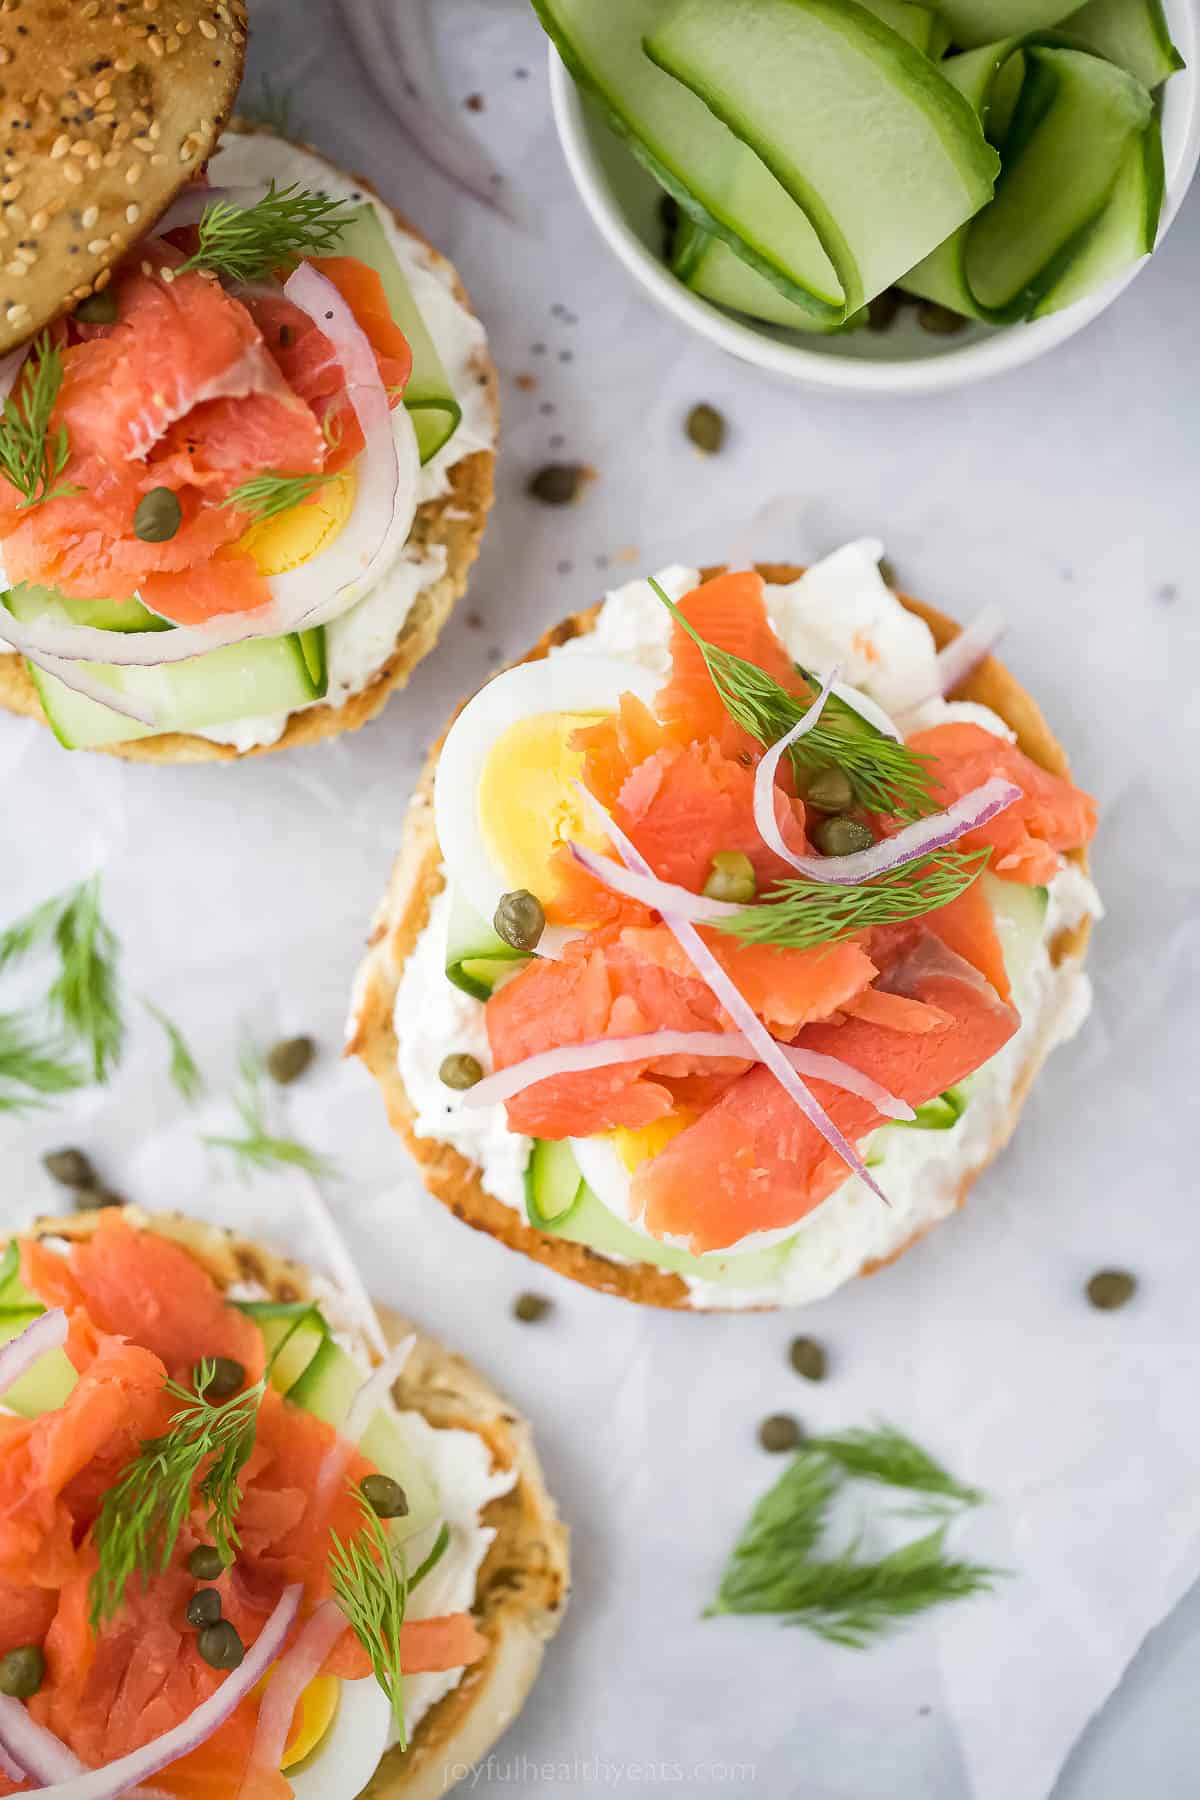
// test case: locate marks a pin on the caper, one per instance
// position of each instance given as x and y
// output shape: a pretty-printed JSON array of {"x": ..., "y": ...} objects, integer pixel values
[
  {"x": 204, "y": 1607},
  {"x": 460, "y": 1070},
  {"x": 98, "y": 309},
  {"x": 731, "y": 877},
  {"x": 842, "y": 837},
  {"x": 70, "y": 1167},
  {"x": 780, "y": 1432},
  {"x": 206, "y": 1563},
  {"x": 519, "y": 919},
  {"x": 1110, "y": 1288},
  {"x": 385, "y": 1497},
  {"x": 939, "y": 319},
  {"x": 288, "y": 1059},
  {"x": 158, "y": 516},
  {"x": 225, "y": 1377},
  {"x": 808, "y": 1358},
  {"x": 529, "y": 1308},
  {"x": 558, "y": 484},
  {"x": 96, "y": 1199},
  {"x": 22, "y": 1672},
  {"x": 220, "y": 1646},
  {"x": 706, "y": 428},
  {"x": 830, "y": 790}
]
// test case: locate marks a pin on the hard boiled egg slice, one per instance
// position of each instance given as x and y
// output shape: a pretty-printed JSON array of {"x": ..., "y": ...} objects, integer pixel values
[
  {"x": 505, "y": 798},
  {"x": 294, "y": 537},
  {"x": 340, "y": 1763}
]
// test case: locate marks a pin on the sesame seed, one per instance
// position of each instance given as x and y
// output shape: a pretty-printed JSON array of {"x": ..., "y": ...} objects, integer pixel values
[
  {"x": 81, "y": 147},
  {"x": 132, "y": 214},
  {"x": 40, "y": 220},
  {"x": 60, "y": 146},
  {"x": 156, "y": 45},
  {"x": 17, "y": 215},
  {"x": 106, "y": 106},
  {"x": 167, "y": 274},
  {"x": 15, "y": 268},
  {"x": 10, "y": 191},
  {"x": 73, "y": 173},
  {"x": 173, "y": 44},
  {"x": 207, "y": 30},
  {"x": 144, "y": 143},
  {"x": 16, "y": 313},
  {"x": 103, "y": 88},
  {"x": 97, "y": 246},
  {"x": 102, "y": 280},
  {"x": 91, "y": 10},
  {"x": 6, "y": 55},
  {"x": 111, "y": 158},
  {"x": 124, "y": 65},
  {"x": 155, "y": 130},
  {"x": 158, "y": 158},
  {"x": 89, "y": 216},
  {"x": 133, "y": 174}
]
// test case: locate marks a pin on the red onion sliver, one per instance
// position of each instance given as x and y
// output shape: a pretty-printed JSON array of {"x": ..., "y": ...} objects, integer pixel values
[
  {"x": 47, "y": 1333},
  {"x": 43, "y": 1757},
  {"x": 293, "y": 1672},
  {"x": 741, "y": 1012},
  {"x": 649, "y": 890},
  {"x": 22, "y": 1735},
  {"x": 968, "y": 649},
  {"x": 905, "y": 846},
  {"x": 765, "y": 816},
  {"x": 605, "y": 1053},
  {"x": 11, "y": 366},
  {"x": 376, "y": 1389},
  {"x": 9, "y": 1764}
]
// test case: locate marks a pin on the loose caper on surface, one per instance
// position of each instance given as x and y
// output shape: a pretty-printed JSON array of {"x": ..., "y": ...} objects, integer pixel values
[
  {"x": 22, "y": 1672},
  {"x": 705, "y": 426},
  {"x": 519, "y": 920},
  {"x": 385, "y": 1497},
  {"x": 460, "y": 1070},
  {"x": 731, "y": 878},
  {"x": 70, "y": 1167},
  {"x": 288, "y": 1059},
  {"x": 220, "y": 1646},
  {"x": 158, "y": 516},
  {"x": 840, "y": 836},
  {"x": 529, "y": 1308},
  {"x": 1110, "y": 1288},
  {"x": 780, "y": 1432},
  {"x": 808, "y": 1358}
]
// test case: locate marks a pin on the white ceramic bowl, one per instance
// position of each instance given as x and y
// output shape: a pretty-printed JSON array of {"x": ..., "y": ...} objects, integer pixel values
[{"x": 623, "y": 201}]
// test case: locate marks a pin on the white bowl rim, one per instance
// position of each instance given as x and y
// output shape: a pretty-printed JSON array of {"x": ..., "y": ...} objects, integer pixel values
[{"x": 1006, "y": 349}]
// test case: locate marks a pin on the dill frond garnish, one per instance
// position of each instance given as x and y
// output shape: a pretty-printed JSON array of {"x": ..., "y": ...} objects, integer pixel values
[
  {"x": 248, "y": 243},
  {"x": 848, "y": 1598},
  {"x": 32, "y": 457},
  {"x": 371, "y": 1587},
  {"x": 799, "y": 914},
  {"x": 85, "y": 998},
  {"x": 264, "y": 496},
  {"x": 34, "y": 1070},
  {"x": 259, "y": 1148},
  {"x": 886, "y": 776},
  {"x": 184, "y": 1070}
]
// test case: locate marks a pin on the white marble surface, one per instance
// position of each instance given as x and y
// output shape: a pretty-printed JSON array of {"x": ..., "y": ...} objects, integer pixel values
[{"x": 1066, "y": 492}]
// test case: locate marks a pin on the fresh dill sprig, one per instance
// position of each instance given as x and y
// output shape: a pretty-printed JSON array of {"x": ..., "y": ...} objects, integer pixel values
[
  {"x": 799, "y": 914},
  {"x": 266, "y": 495},
  {"x": 273, "y": 107},
  {"x": 85, "y": 997},
  {"x": 847, "y": 1598},
  {"x": 32, "y": 457},
  {"x": 371, "y": 1587},
  {"x": 183, "y": 1069},
  {"x": 258, "y": 1147},
  {"x": 886, "y": 776},
  {"x": 141, "y": 1517},
  {"x": 248, "y": 243},
  {"x": 33, "y": 1069}
]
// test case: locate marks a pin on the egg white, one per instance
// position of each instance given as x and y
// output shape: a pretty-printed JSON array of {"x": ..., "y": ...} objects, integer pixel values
[
  {"x": 556, "y": 684},
  {"x": 344, "y": 1761}
]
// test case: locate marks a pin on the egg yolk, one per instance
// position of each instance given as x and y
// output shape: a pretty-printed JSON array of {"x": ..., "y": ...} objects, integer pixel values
[
  {"x": 638, "y": 1146},
  {"x": 312, "y": 1718},
  {"x": 527, "y": 807},
  {"x": 302, "y": 532}
]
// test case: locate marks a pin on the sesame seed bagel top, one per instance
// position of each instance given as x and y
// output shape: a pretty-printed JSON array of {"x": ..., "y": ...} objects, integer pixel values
[{"x": 107, "y": 109}]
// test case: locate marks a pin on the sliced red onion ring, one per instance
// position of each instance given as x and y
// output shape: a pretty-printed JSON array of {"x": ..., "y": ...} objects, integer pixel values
[
  {"x": 293, "y": 1672},
  {"x": 24, "y": 1738},
  {"x": 740, "y": 1010},
  {"x": 395, "y": 44},
  {"x": 11, "y": 366},
  {"x": 649, "y": 890},
  {"x": 605, "y": 1053},
  {"x": 968, "y": 649},
  {"x": 918, "y": 839},
  {"x": 47, "y": 1333},
  {"x": 375, "y": 1391},
  {"x": 78, "y": 676},
  {"x": 764, "y": 776}
]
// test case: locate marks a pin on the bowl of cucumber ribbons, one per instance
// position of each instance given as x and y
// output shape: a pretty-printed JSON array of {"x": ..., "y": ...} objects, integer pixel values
[{"x": 882, "y": 195}]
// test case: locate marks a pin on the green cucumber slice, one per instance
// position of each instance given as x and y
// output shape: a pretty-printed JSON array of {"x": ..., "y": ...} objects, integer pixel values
[
  {"x": 265, "y": 675},
  {"x": 477, "y": 961},
  {"x": 313, "y": 650},
  {"x": 292, "y": 1330},
  {"x": 707, "y": 266},
  {"x": 429, "y": 397},
  {"x": 588, "y": 1221},
  {"x": 715, "y": 180},
  {"x": 786, "y": 75},
  {"x": 52, "y": 1377},
  {"x": 553, "y": 1184},
  {"x": 1131, "y": 33},
  {"x": 1074, "y": 120},
  {"x": 105, "y": 615},
  {"x": 941, "y": 1114},
  {"x": 976, "y": 22},
  {"x": 1020, "y": 913},
  {"x": 326, "y": 1389},
  {"x": 1125, "y": 231},
  {"x": 10, "y": 1275}
]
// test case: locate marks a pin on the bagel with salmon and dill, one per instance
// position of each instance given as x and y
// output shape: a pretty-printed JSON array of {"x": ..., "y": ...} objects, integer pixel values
[
  {"x": 241, "y": 1551},
  {"x": 728, "y": 933},
  {"x": 249, "y": 419}
]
